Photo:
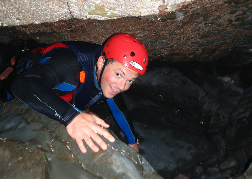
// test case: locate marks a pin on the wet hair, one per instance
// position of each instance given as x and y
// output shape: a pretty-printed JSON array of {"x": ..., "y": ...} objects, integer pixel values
[
  {"x": 107, "y": 61},
  {"x": 111, "y": 60}
]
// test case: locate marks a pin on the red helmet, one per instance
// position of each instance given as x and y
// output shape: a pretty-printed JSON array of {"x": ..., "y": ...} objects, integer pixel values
[{"x": 128, "y": 50}]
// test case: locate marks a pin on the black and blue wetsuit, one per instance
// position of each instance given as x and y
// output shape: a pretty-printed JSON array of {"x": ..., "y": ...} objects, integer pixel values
[{"x": 41, "y": 86}]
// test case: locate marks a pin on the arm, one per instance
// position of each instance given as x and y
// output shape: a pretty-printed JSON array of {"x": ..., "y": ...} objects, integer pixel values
[
  {"x": 35, "y": 88},
  {"x": 123, "y": 119}
]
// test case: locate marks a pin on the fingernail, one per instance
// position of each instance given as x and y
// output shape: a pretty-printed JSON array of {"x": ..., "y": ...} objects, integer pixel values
[
  {"x": 104, "y": 147},
  {"x": 96, "y": 149}
]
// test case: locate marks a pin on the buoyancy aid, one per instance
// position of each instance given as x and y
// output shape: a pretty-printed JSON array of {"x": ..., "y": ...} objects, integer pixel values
[
  {"x": 34, "y": 58},
  {"x": 86, "y": 54}
]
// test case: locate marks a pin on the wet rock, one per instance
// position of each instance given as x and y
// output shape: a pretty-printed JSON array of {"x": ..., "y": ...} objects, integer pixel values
[
  {"x": 180, "y": 176},
  {"x": 35, "y": 146},
  {"x": 208, "y": 31},
  {"x": 239, "y": 119},
  {"x": 175, "y": 110},
  {"x": 170, "y": 121},
  {"x": 246, "y": 75},
  {"x": 235, "y": 1},
  {"x": 246, "y": 174}
]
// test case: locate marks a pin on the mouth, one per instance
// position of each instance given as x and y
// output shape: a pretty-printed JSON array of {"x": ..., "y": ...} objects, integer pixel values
[{"x": 113, "y": 90}]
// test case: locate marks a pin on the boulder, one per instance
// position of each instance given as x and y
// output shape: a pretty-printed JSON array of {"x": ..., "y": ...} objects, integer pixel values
[{"x": 35, "y": 146}]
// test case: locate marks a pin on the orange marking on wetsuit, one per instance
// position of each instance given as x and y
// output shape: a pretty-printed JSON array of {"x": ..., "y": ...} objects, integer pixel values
[{"x": 82, "y": 76}]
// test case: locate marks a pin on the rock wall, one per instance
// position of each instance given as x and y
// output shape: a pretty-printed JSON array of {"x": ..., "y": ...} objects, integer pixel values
[
  {"x": 35, "y": 146},
  {"x": 37, "y": 11},
  {"x": 205, "y": 30}
]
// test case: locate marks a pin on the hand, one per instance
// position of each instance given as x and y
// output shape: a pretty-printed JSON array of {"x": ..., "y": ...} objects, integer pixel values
[
  {"x": 86, "y": 126},
  {"x": 135, "y": 146},
  {"x": 6, "y": 73}
]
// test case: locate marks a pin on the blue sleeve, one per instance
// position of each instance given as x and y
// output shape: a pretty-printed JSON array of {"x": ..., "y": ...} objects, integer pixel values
[{"x": 122, "y": 117}]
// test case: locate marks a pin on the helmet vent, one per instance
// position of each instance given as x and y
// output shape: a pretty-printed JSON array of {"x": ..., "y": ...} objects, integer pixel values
[
  {"x": 132, "y": 54},
  {"x": 124, "y": 56}
]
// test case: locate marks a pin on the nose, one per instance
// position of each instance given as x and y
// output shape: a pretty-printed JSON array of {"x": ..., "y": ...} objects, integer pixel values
[{"x": 121, "y": 84}]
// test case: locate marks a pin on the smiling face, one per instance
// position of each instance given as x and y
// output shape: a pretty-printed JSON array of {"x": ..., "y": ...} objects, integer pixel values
[{"x": 116, "y": 77}]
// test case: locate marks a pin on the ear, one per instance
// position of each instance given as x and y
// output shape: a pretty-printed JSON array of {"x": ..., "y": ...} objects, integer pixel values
[{"x": 100, "y": 62}]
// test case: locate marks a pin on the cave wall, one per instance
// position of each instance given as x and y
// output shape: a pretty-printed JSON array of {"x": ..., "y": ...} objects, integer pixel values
[
  {"x": 199, "y": 30},
  {"x": 38, "y": 11}
]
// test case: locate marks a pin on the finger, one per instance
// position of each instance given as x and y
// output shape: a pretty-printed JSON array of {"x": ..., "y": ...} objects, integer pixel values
[
  {"x": 94, "y": 118},
  {"x": 93, "y": 114},
  {"x": 101, "y": 122},
  {"x": 105, "y": 134},
  {"x": 90, "y": 143},
  {"x": 99, "y": 141},
  {"x": 81, "y": 145},
  {"x": 2, "y": 77}
]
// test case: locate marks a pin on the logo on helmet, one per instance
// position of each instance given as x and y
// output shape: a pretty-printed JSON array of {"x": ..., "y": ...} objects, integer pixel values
[{"x": 136, "y": 65}]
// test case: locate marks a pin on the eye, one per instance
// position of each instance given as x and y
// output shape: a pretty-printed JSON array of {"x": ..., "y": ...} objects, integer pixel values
[
  {"x": 118, "y": 74},
  {"x": 130, "y": 81}
]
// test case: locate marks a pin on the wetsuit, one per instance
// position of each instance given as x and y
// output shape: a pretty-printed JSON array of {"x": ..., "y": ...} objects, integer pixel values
[{"x": 56, "y": 74}]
